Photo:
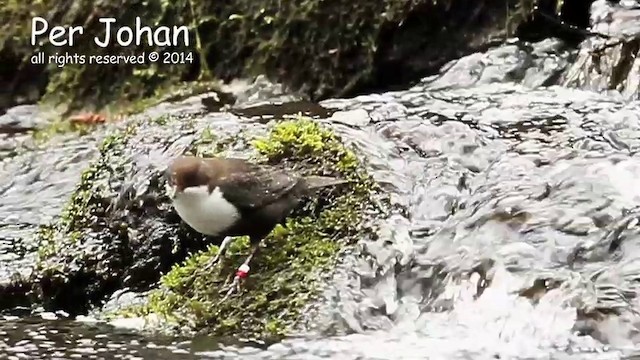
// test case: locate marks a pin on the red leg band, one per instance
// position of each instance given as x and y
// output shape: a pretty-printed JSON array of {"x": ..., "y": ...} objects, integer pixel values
[{"x": 243, "y": 271}]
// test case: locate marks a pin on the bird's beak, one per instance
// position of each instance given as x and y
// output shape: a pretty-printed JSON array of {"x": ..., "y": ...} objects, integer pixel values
[{"x": 171, "y": 191}]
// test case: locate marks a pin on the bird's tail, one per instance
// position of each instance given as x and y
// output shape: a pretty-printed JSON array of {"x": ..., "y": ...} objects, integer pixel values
[{"x": 316, "y": 182}]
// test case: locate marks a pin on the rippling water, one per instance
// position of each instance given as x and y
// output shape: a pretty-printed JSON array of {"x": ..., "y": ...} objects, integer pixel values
[
  {"x": 33, "y": 338},
  {"x": 518, "y": 238}
]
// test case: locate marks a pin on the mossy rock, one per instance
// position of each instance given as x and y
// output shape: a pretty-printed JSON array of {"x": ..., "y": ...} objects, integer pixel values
[
  {"x": 321, "y": 48},
  {"x": 111, "y": 236},
  {"x": 87, "y": 86},
  {"x": 60, "y": 124},
  {"x": 106, "y": 238},
  {"x": 295, "y": 261}
]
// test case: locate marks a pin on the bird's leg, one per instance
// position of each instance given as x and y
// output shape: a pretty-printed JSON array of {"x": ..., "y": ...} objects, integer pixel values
[
  {"x": 221, "y": 251},
  {"x": 243, "y": 271}
]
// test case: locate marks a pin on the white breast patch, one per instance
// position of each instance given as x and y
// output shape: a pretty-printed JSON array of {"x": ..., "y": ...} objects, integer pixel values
[{"x": 209, "y": 214}]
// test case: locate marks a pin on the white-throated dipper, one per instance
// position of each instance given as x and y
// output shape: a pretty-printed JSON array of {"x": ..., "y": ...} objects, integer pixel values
[{"x": 225, "y": 197}]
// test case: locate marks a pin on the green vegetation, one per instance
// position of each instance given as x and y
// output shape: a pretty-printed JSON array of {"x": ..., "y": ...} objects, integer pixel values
[
  {"x": 90, "y": 86},
  {"x": 94, "y": 247},
  {"x": 325, "y": 48},
  {"x": 57, "y": 127},
  {"x": 90, "y": 198},
  {"x": 293, "y": 258},
  {"x": 209, "y": 145},
  {"x": 116, "y": 112},
  {"x": 111, "y": 235}
]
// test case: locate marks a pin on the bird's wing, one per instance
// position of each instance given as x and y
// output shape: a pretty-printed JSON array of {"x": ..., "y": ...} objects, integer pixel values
[{"x": 257, "y": 188}]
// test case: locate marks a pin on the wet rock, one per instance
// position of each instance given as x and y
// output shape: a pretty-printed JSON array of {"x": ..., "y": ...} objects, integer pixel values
[
  {"x": 390, "y": 111},
  {"x": 118, "y": 230},
  {"x": 357, "y": 118},
  {"x": 21, "y": 119},
  {"x": 15, "y": 128},
  {"x": 538, "y": 64},
  {"x": 39, "y": 182},
  {"x": 260, "y": 91},
  {"x": 319, "y": 54},
  {"x": 515, "y": 224},
  {"x": 278, "y": 110},
  {"x": 609, "y": 62},
  {"x": 298, "y": 257}
]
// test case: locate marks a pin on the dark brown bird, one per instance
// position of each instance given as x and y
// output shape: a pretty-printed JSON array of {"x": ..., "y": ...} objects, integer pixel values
[{"x": 223, "y": 197}]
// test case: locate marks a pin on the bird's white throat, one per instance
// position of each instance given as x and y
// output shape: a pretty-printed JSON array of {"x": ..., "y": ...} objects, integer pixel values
[{"x": 207, "y": 213}]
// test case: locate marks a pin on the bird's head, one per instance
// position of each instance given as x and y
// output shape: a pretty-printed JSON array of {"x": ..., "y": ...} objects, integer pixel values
[{"x": 184, "y": 172}]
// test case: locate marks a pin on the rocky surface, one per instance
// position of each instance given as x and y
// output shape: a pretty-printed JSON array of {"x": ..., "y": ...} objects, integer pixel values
[
  {"x": 518, "y": 203},
  {"x": 609, "y": 61},
  {"x": 318, "y": 48},
  {"x": 118, "y": 231},
  {"x": 515, "y": 224}
]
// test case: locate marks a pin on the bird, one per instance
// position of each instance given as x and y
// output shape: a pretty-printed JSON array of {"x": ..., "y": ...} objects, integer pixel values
[{"x": 228, "y": 197}]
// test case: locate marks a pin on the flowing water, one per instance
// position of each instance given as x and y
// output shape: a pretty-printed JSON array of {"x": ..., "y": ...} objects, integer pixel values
[{"x": 517, "y": 234}]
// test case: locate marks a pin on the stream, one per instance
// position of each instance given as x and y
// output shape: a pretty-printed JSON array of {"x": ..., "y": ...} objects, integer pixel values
[{"x": 519, "y": 236}]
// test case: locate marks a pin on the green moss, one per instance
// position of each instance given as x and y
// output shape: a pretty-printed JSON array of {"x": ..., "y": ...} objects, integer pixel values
[
  {"x": 174, "y": 91},
  {"x": 89, "y": 86},
  {"x": 328, "y": 48},
  {"x": 206, "y": 145},
  {"x": 61, "y": 125},
  {"x": 110, "y": 235},
  {"x": 74, "y": 86},
  {"x": 306, "y": 142},
  {"x": 293, "y": 259},
  {"x": 88, "y": 200},
  {"x": 209, "y": 145}
]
